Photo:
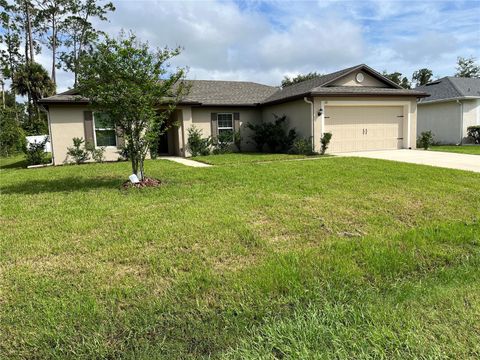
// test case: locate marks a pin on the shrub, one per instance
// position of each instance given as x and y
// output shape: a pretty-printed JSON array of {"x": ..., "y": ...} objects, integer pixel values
[
  {"x": 12, "y": 136},
  {"x": 78, "y": 154},
  {"x": 196, "y": 144},
  {"x": 302, "y": 146},
  {"x": 237, "y": 140},
  {"x": 35, "y": 153},
  {"x": 474, "y": 133},
  {"x": 425, "y": 140},
  {"x": 98, "y": 154},
  {"x": 273, "y": 134},
  {"x": 325, "y": 141},
  {"x": 222, "y": 143}
]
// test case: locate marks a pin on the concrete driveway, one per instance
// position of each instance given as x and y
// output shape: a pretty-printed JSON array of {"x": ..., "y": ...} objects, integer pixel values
[{"x": 433, "y": 158}]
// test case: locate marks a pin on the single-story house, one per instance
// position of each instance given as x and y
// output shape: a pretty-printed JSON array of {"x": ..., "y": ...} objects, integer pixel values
[
  {"x": 361, "y": 108},
  {"x": 453, "y": 106}
]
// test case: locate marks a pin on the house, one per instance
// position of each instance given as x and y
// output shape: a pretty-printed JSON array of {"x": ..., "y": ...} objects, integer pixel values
[
  {"x": 453, "y": 106},
  {"x": 361, "y": 108}
]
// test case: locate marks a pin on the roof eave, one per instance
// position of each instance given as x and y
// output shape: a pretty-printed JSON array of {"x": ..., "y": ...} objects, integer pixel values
[{"x": 449, "y": 99}]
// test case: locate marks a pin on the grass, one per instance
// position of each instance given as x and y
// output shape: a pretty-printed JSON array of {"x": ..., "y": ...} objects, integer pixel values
[
  {"x": 336, "y": 258},
  {"x": 242, "y": 158},
  {"x": 465, "y": 149}
]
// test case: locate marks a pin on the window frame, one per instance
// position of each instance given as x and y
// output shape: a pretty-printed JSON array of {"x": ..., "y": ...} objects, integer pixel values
[
  {"x": 225, "y": 128},
  {"x": 103, "y": 129}
]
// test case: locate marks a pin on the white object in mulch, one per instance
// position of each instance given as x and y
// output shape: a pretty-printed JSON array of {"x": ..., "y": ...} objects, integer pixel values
[
  {"x": 38, "y": 139},
  {"x": 133, "y": 179}
]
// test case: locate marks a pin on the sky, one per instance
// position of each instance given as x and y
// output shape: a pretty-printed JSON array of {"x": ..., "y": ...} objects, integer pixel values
[{"x": 263, "y": 41}]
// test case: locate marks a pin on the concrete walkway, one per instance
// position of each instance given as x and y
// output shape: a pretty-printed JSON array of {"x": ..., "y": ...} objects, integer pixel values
[
  {"x": 433, "y": 158},
  {"x": 184, "y": 161}
]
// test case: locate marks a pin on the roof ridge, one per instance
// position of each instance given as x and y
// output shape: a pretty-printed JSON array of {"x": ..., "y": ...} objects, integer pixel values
[{"x": 459, "y": 92}]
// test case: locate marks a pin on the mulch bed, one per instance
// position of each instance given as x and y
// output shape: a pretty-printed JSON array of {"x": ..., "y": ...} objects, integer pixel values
[{"x": 146, "y": 182}]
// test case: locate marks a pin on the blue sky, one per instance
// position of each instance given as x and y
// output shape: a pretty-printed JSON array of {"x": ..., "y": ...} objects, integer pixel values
[{"x": 263, "y": 41}]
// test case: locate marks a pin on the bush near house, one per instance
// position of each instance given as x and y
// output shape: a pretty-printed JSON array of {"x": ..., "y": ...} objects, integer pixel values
[
  {"x": 35, "y": 153},
  {"x": 474, "y": 133},
  {"x": 302, "y": 146},
  {"x": 273, "y": 135},
  {"x": 77, "y": 152},
  {"x": 324, "y": 142},
  {"x": 425, "y": 140},
  {"x": 196, "y": 144}
]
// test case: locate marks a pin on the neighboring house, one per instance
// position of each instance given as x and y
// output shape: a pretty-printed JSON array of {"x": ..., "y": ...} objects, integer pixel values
[
  {"x": 453, "y": 106},
  {"x": 360, "y": 107}
]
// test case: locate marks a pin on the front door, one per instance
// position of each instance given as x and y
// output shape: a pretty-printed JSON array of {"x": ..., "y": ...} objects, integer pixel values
[{"x": 163, "y": 144}]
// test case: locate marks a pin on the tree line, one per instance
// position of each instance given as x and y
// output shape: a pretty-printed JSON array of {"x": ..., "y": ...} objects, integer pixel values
[
  {"x": 466, "y": 67},
  {"x": 64, "y": 29}
]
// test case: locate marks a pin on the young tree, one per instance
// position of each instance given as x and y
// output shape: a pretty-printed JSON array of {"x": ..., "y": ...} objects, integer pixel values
[
  {"x": 128, "y": 81},
  {"x": 467, "y": 67},
  {"x": 79, "y": 32},
  {"x": 422, "y": 76},
  {"x": 287, "y": 81}
]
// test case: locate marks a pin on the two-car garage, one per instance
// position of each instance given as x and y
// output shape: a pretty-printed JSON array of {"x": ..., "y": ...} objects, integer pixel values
[{"x": 361, "y": 128}]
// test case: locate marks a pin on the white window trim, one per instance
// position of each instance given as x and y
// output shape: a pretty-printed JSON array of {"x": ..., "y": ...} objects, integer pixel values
[
  {"x": 223, "y": 127},
  {"x": 101, "y": 129}
]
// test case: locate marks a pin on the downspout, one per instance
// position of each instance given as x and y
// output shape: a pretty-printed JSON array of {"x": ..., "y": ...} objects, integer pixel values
[
  {"x": 461, "y": 121},
  {"x": 312, "y": 115}
]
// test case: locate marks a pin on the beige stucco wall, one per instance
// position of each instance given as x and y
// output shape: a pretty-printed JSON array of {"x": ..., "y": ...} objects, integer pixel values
[
  {"x": 409, "y": 114},
  {"x": 298, "y": 115},
  {"x": 369, "y": 81},
  {"x": 66, "y": 122},
  {"x": 200, "y": 117}
]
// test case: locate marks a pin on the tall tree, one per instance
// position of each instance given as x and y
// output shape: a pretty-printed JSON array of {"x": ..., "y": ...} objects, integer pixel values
[
  {"x": 127, "y": 81},
  {"x": 287, "y": 81},
  {"x": 397, "y": 78},
  {"x": 422, "y": 76},
  {"x": 32, "y": 80},
  {"x": 51, "y": 20},
  {"x": 467, "y": 67},
  {"x": 80, "y": 33}
]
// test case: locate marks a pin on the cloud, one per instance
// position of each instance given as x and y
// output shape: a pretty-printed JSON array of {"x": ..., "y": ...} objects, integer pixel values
[{"x": 265, "y": 40}]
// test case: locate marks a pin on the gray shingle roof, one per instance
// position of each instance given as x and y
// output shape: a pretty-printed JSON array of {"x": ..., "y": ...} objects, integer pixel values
[
  {"x": 242, "y": 93},
  {"x": 450, "y": 88},
  {"x": 214, "y": 92}
]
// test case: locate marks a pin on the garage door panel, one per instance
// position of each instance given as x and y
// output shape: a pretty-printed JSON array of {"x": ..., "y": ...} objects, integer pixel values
[{"x": 359, "y": 128}]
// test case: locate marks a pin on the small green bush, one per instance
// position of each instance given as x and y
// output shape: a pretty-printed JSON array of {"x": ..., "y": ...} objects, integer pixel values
[
  {"x": 325, "y": 141},
  {"x": 474, "y": 133},
  {"x": 425, "y": 140},
  {"x": 196, "y": 144},
  {"x": 98, "y": 154},
  {"x": 273, "y": 134},
  {"x": 79, "y": 154},
  {"x": 222, "y": 143},
  {"x": 35, "y": 153},
  {"x": 302, "y": 146}
]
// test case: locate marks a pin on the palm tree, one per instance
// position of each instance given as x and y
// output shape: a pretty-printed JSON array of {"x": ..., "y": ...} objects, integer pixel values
[{"x": 32, "y": 80}]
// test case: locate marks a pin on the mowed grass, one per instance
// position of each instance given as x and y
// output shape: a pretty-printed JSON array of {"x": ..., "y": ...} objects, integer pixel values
[
  {"x": 464, "y": 149},
  {"x": 242, "y": 158},
  {"x": 330, "y": 258}
]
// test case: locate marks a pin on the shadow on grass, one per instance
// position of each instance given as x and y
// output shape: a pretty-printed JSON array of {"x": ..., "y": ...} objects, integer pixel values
[
  {"x": 16, "y": 163},
  {"x": 67, "y": 184}
]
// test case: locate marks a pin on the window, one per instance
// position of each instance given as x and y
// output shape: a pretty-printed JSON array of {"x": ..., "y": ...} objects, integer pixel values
[
  {"x": 104, "y": 130},
  {"x": 225, "y": 123}
]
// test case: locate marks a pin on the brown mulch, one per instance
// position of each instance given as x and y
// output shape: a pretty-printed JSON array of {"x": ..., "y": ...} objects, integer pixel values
[{"x": 146, "y": 182}]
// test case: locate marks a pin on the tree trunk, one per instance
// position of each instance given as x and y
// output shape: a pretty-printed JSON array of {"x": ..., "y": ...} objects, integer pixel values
[
  {"x": 29, "y": 30},
  {"x": 54, "y": 49}
]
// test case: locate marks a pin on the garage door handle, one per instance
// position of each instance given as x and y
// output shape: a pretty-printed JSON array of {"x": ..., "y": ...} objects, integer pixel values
[
  {"x": 399, "y": 138},
  {"x": 365, "y": 131}
]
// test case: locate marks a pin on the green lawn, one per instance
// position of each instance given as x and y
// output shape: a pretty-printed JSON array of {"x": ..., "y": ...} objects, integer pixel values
[
  {"x": 465, "y": 149},
  {"x": 242, "y": 158},
  {"x": 331, "y": 258}
]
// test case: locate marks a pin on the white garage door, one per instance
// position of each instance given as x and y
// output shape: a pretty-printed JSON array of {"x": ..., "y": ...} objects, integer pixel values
[{"x": 359, "y": 128}]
